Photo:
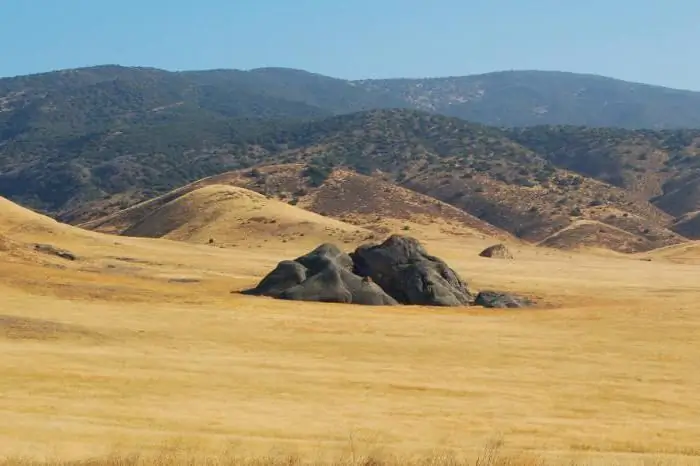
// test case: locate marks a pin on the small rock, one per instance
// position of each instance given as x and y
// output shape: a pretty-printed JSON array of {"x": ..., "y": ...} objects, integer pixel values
[
  {"x": 49, "y": 249},
  {"x": 184, "y": 280},
  {"x": 497, "y": 251},
  {"x": 498, "y": 299}
]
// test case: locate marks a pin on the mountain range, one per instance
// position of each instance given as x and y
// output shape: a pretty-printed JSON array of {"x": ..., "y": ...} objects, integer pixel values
[
  {"x": 507, "y": 98},
  {"x": 553, "y": 158}
]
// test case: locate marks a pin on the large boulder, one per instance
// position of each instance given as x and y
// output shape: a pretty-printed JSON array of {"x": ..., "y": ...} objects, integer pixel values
[
  {"x": 405, "y": 271},
  {"x": 324, "y": 275},
  {"x": 286, "y": 275},
  {"x": 498, "y": 299},
  {"x": 324, "y": 255},
  {"x": 497, "y": 251},
  {"x": 399, "y": 270}
]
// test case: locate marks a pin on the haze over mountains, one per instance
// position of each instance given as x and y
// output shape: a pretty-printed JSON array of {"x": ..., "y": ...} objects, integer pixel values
[{"x": 566, "y": 159}]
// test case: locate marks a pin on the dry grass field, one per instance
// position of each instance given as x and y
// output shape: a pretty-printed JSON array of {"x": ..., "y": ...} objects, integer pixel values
[
  {"x": 229, "y": 216},
  {"x": 139, "y": 347}
]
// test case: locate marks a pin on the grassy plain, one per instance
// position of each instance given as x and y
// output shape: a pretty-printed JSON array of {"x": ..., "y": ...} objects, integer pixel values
[{"x": 140, "y": 343}]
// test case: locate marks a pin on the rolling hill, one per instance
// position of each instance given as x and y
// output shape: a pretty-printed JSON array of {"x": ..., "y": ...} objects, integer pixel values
[
  {"x": 365, "y": 202},
  {"x": 81, "y": 144},
  {"x": 48, "y": 257},
  {"x": 18, "y": 223},
  {"x": 29, "y": 237},
  {"x": 91, "y": 128},
  {"x": 382, "y": 205},
  {"x": 225, "y": 215},
  {"x": 475, "y": 168}
]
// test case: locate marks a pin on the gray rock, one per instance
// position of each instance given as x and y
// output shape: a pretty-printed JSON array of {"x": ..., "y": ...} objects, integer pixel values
[
  {"x": 320, "y": 257},
  {"x": 54, "y": 251},
  {"x": 497, "y": 299},
  {"x": 323, "y": 275},
  {"x": 406, "y": 272},
  {"x": 497, "y": 251},
  {"x": 334, "y": 284},
  {"x": 286, "y": 275}
]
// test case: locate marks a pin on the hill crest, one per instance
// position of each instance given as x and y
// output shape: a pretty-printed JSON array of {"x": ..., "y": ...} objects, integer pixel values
[
  {"x": 226, "y": 215},
  {"x": 367, "y": 203}
]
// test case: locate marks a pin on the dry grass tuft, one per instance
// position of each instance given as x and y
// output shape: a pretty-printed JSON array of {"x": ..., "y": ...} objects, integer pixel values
[
  {"x": 22, "y": 328},
  {"x": 177, "y": 456}
]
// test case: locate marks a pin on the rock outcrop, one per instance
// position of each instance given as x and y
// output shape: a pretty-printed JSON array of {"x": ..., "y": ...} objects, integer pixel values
[
  {"x": 397, "y": 271},
  {"x": 323, "y": 275},
  {"x": 497, "y": 251},
  {"x": 404, "y": 269},
  {"x": 497, "y": 299}
]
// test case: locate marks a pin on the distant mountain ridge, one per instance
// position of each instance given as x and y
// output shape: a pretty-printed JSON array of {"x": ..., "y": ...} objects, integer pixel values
[
  {"x": 527, "y": 98},
  {"x": 504, "y": 98}
]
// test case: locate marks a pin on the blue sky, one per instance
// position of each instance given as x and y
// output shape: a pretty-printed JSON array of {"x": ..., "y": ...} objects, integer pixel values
[{"x": 651, "y": 41}]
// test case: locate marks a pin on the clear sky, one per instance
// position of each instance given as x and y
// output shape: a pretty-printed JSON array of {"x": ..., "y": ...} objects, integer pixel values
[{"x": 652, "y": 41}]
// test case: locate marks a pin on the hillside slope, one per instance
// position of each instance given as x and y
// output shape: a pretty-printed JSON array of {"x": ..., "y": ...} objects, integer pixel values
[
  {"x": 31, "y": 238},
  {"x": 356, "y": 199},
  {"x": 472, "y": 167},
  {"x": 529, "y": 182},
  {"x": 530, "y": 97},
  {"x": 661, "y": 166},
  {"x": 687, "y": 225},
  {"x": 74, "y": 136},
  {"x": 225, "y": 215},
  {"x": 18, "y": 223},
  {"x": 369, "y": 201}
]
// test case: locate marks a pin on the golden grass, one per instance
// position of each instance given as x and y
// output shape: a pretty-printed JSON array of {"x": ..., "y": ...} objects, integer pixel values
[
  {"x": 221, "y": 203},
  {"x": 174, "y": 454},
  {"x": 230, "y": 216},
  {"x": 686, "y": 253},
  {"x": 140, "y": 342}
]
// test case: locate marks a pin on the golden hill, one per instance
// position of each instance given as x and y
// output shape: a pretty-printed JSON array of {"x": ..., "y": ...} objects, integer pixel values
[
  {"x": 18, "y": 223},
  {"x": 529, "y": 182},
  {"x": 626, "y": 224},
  {"x": 687, "y": 253},
  {"x": 113, "y": 268},
  {"x": 533, "y": 213},
  {"x": 22, "y": 230},
  {"x": 362, "y": 200},
  {"x": 139, "y": 343},
  {"x": 366, "y": 202},
  {"x": 226, "y": 215}
]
